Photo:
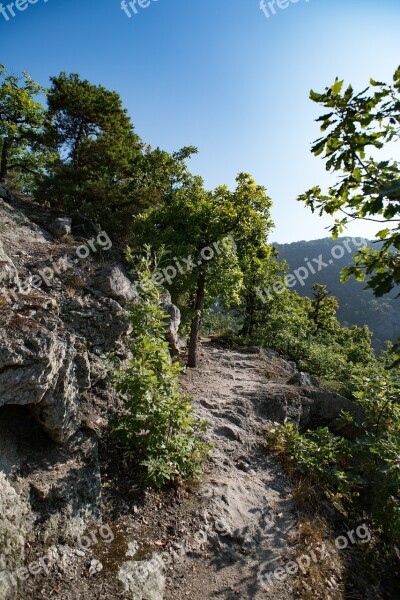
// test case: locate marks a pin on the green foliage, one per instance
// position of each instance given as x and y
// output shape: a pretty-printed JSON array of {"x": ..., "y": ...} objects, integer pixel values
[
  {"x": 364, "y": 472},
  {"x": 158, "y": 420},
  {"x": 356, "y": 127},
  {"x": 319, "y": 454},
  {"x": 95, "y": 148},
  {"x": 21, "y": 120},
  {"x": 193, "y": 220},
  {"x": 307, "y": 331},
  {"x": 378, "y": 450}
]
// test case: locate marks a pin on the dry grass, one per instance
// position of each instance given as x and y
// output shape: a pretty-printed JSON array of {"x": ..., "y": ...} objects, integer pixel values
[
  {"x": 73, "y": 282},
  {"x": 322, "y": 578}
]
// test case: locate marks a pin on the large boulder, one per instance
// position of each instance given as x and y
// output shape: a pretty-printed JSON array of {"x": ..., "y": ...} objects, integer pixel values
[
  {"x": 309, "y": 408},
  {"x": 284, "y": 404},
  {"x": 326, "y": 409}
]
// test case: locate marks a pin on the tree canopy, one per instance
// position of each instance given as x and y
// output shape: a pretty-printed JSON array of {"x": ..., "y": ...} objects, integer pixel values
[
  {"x": 21, "y": 119},
  {"x": 356, "y": 128}
]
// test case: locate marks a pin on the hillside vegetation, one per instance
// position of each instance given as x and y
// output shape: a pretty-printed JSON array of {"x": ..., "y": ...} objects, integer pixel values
[{"x": 357, "y": 304}]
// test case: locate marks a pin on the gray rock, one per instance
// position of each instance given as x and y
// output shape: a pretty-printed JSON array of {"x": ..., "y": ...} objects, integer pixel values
[
  {"x": 172, "y": 326},
  {"x": 38, "y": 369},
  {"x": 17, "y": 226},
  {"x": 8, "y": 272},
  {"x": 308, "y": 408},
  {"x": 14, "y": 525},
  {"x": 268, "y": 353},
  {"x": 112, "y": 282},
  {"x": 61, "y": 227},
  {"x": 284, "y": 405},
  {"x": 250, "y": 350},
  {"x": 82, "y": 369},
  {"x": 143, "y": 580},
  {"x": 102, "y": 321},
  {"x": 302, "y": 379},
  {"x": 326, "y": 409}
]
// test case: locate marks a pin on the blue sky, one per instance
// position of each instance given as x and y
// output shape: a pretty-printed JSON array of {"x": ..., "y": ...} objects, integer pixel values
[{"x": 219, "y": 75}]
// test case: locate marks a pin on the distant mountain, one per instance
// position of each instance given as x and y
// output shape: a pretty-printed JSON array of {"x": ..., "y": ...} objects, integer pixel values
[{"x": 321, "y": 261}]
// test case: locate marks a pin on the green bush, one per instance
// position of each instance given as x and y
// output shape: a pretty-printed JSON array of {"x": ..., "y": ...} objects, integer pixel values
[
  {"x": 158, "y": 421},
  {"x": 365, "y": 472}
]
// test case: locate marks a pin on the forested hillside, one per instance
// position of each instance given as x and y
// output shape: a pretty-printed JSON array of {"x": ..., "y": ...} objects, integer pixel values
[{"x": 357, "y": 304}]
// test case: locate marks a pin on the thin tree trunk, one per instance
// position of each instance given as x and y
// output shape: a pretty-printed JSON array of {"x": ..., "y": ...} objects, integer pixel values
[
  {"x": 195, "y": 326},
  {"x": 4, "y": 160}
]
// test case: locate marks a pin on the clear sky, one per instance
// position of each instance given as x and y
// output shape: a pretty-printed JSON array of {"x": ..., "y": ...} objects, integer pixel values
[{"x": 219, "y": 75}]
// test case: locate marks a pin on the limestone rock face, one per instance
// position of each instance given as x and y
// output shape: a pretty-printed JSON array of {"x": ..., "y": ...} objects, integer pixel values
[
  {"x": 55, "y": 385},
  {"x": 102, "y": 321},
  {"x": 41, "y": 368}
]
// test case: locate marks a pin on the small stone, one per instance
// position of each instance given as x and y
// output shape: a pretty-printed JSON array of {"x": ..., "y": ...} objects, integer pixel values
[{"x": 95, "y": 567}]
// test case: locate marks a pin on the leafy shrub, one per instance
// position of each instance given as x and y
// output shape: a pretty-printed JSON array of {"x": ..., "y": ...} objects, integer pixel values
[
  {"x": 158, "y": 421},
  {"x": 365, "y": 472}
]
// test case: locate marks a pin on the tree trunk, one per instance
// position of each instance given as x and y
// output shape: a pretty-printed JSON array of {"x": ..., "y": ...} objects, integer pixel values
[
  {"x": 4, "y": 161},
  {"x": 195, "y": 326}
]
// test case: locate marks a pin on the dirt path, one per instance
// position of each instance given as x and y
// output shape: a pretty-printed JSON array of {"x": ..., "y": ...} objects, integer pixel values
[{"x": 250, "y": 512}]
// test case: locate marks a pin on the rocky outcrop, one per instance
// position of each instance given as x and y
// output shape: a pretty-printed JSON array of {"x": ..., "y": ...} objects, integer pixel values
[
  {"x": 59, "y": 315},
  {"x": 44, "y": 367},
  {"x": 297, "y": 397},
  {"x": 326, "y": 409},
  {"x": 51, "y": 333},
  {"x": 100, "y": 320}
]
